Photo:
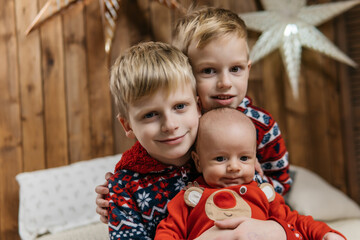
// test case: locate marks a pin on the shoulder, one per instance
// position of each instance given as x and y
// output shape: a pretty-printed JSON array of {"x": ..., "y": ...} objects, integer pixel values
[
  {"x": 123, "y": 177},
  {"x": 258, "y": 115}
]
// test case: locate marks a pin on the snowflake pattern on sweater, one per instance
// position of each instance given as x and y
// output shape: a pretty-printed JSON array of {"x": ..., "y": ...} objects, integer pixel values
[{"x": 140, "y": 190}]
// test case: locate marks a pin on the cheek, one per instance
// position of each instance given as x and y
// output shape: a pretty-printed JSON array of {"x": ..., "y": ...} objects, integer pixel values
[
  {"x": 146, "y": 131},
  {"x": 213, "y": 172},
  {"x": 250, "y": 170},
  {"x": 203, "y": 87},
  {"x": 242, "y": 83},
  {"x": 193, "y": 119}
]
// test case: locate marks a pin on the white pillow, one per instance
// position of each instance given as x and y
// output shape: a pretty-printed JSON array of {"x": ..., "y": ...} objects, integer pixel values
[
  {"x": 95, "y": 231},
  {"x": 57, "y": 199},
  {"x": 312, "y": 195},
  {"x": 348, "y": 227}
]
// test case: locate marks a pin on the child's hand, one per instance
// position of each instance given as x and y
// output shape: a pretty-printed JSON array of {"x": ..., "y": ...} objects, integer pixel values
[
  {"x": 101, "y": 203},
  {"x": 332, "y": 236}
]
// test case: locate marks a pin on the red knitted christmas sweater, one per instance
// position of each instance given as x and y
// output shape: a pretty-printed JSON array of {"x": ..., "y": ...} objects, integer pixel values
[{"x": 140, "y": 190}]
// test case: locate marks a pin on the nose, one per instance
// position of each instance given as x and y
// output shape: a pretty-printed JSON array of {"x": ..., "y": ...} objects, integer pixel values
[
  {"x": 170, "y": 123},
  {"x": 233, "y": 166},
  {"x": 224, "y": 199},
  {"x": 224, "y": 81}
]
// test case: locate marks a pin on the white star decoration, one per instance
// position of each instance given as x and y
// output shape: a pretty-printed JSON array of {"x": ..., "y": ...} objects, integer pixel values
[
  {"x": 109, "y": 12},
  {"x": 289, "y": 25}
]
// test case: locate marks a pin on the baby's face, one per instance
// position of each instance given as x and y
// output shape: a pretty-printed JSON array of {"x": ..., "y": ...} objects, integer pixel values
[
  {"x": 165, "y": 125},
  {"x": 221, "y": 69},
  {"x": 226, "y": 155}
]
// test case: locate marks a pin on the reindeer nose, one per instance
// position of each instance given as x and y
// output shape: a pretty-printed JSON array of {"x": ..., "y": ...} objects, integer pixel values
[{"x": 224, "y": 200}]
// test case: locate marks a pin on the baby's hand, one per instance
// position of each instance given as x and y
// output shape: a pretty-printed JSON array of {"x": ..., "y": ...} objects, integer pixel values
[{"x": 332, "y": 236}]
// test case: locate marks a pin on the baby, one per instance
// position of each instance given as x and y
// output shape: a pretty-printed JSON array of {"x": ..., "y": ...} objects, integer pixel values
[{"x": 225, "y": 154}]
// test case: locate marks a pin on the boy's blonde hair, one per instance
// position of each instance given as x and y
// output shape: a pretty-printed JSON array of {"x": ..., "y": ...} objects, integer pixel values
[
  {"x": 146, "y": 68},
  {"x": 206, "y": 24}
]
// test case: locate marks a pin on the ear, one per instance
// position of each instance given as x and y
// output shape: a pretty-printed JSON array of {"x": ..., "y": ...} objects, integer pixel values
[
  {"x": 268, "y": 190},
  {"x": 196, "y": 160},
  {"x": 126, "y": 126},
  {"x": 249, "y": 65},
  {"x": 192, "y": 196}
]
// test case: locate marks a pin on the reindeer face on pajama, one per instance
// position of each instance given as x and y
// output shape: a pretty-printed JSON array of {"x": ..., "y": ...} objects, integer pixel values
[{"x": 225, "y": 203}]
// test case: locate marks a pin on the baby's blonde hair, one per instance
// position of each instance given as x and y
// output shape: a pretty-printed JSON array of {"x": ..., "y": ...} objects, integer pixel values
[
  {"x": 205, "y": 25},
  {"x": 146, "y": 68}
]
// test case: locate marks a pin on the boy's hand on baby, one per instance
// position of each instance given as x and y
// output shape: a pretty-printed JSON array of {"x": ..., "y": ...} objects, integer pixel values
[
  {"x": 332, "y": 236},
  {"x": 101, "y": 202},
  {"x": 249, "y": 228}
]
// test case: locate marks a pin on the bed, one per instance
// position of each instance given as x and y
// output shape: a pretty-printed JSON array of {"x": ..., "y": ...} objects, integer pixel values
[{"x": 59, "y": 203}]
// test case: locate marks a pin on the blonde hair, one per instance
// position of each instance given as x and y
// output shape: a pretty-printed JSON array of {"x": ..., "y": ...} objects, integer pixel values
[
  {"x": 146, "y": 68},
  {"x": 205, "y": 25}
]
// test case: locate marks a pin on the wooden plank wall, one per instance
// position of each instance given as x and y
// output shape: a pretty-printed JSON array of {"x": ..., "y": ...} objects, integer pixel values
[
  {"x": 56, "y": 108},
  {"x": 349, "y": 39}
]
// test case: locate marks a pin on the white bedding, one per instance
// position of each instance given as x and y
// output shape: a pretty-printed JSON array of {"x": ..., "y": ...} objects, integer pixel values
[{"x": 68, "y": 189}]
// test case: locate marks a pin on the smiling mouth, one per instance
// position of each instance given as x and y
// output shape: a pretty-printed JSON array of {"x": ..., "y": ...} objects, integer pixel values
[
  {"x": 174, "y": 140},
  {"x": 222, "y": 97},
  {"x": 228, "y": 214}
]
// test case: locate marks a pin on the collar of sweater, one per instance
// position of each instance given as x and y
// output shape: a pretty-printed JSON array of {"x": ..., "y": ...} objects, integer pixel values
[{"x": 137, "y": 159}]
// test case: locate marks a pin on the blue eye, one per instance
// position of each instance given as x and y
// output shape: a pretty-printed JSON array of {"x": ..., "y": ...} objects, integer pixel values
[
  {"x": 180, "y": 106},
  {"x": 220, "y": 159},
  {"x": 149, "y": 115},
  {"x": 208, "y": 71}
]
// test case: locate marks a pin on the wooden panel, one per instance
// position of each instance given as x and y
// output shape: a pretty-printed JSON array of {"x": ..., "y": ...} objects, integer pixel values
[
  {"x": 297, "y": 124},
  {"x": 52, "y": 50},
  {"x": 77, "y": 91},
  {"x": 31, "y": 88},
  {"x": 316, "y": 88},
  {"x": 334, "y": 151},
  {"x": 97, "y": 67},
  {"x": 10, "y": 123},
  {"x": 160, "y": 14},
  {"x": 349, "y": 38},
  {"x": 353, "y": 41}
]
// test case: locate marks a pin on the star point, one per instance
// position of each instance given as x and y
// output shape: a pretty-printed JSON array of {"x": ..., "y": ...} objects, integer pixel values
[{"x": 289, "y": 25}]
